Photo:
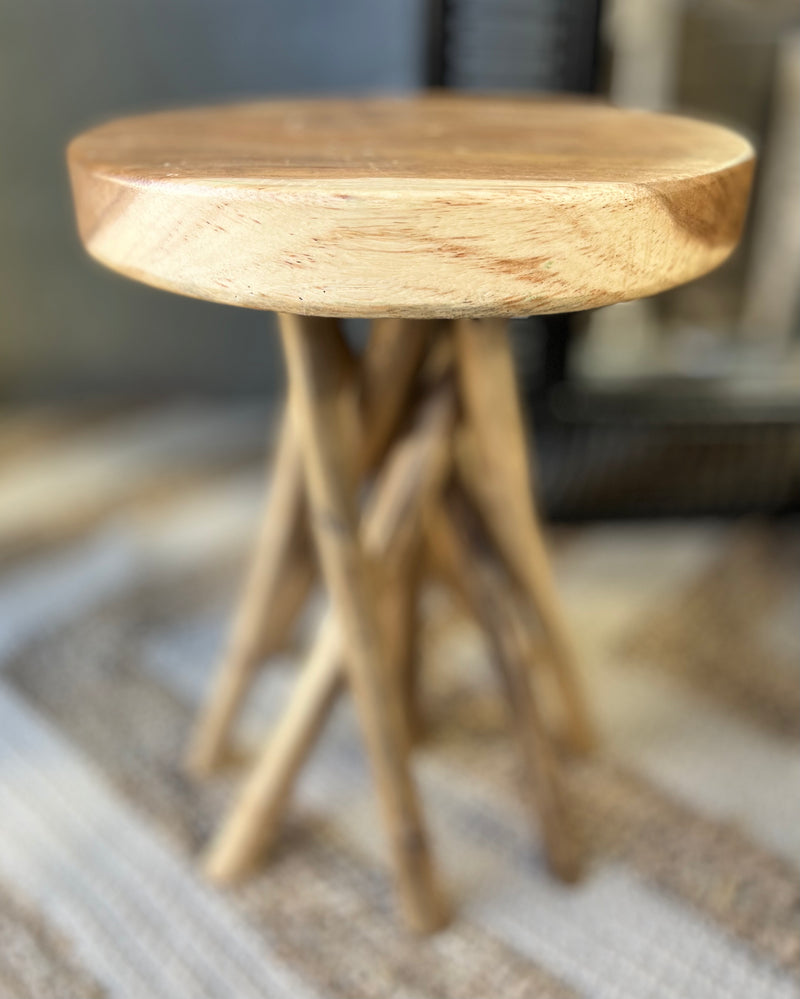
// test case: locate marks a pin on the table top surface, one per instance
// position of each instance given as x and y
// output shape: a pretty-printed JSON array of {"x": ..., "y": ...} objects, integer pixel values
[
  {"x": 465, "y": 180},
  {"x": 437, "y": 138}
]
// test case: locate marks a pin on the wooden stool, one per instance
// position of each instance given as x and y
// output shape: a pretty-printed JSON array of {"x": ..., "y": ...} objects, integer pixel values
[{"x": 438, "y": 216}]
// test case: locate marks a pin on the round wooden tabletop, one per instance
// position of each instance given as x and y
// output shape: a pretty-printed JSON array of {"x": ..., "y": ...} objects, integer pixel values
[{"x": 425, "y": 206}]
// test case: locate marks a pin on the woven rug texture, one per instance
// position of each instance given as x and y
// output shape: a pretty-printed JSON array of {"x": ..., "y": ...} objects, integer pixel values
[{"x": 124, "y": 533}]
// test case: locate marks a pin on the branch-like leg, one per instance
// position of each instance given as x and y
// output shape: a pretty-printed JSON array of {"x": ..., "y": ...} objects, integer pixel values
[
  {"x": 324, "y": 405},
  {"x": 502, "y": 488},
  {"x": 406, "y": 486},
  {"x": 391, "y": 359},
  {"x": 399, "y": 614},
  {"x": 283, "y": 569},
  {"x": 257, "y": 813},
  {"x": 463, "y": 542},
  {"x": 276, "y": 588}
]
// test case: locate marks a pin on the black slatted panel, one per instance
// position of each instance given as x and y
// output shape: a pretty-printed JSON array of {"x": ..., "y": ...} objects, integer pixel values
[
  {"x": 519, "y": 44},
  {"x": 619, "y": 469}
]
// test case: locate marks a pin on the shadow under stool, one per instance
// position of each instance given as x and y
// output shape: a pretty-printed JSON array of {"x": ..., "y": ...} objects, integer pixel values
[{"x": 438, "y": 217}]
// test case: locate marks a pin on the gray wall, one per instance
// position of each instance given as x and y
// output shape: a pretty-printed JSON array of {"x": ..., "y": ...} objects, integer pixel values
[{"x": 66, "y": 325}]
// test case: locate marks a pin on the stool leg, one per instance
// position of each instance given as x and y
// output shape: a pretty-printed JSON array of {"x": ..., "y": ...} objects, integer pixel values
[
  {"x": 253, "y": 822},
  {"x": 277, "y": 585},
  {"x": 400, "y": 618},
  {"x": 282, "y": 570},
  {"x": 463, "y": 543},
  {"x": 406, "y": 486},
  {"x": 491, "y": 402},
  {"x": 391, "y": 359},
  {"x": 322, "y": 403}
]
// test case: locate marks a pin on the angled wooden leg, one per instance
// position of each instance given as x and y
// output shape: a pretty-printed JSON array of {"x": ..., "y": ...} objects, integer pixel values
[
  {"x": 399, "y": 614},
  {"x": 283, "y": 569},
  {"x": 502, "y": 488},
  {"x": 405, "y": 488},
  {"x": 277, "y": 585},
  {"x": 252, "y": 824},
  {"x": 392, "y": 357},
  {"x": 322, "y": 404},
  {"x": 462, "y": 540}
]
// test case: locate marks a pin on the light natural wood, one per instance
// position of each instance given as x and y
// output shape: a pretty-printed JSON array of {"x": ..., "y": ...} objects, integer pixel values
[
  {"x": 400, "y": 596},
  {"x": 393, "y": 355},
  {"x": 282, "y": 570},
  {"x": 249, "y": 829},
  {"x": 324, "y": 407},
  {"x": 390, "y": 534},
  {"x": 463, "y": 542},
  {"x": 501, "y": 483},
  {"x": 276, "y": 587},
  {"x": 426, "y": 206}
]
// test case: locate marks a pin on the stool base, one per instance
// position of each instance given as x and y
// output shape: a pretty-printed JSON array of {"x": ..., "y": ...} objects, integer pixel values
[{"x": 429, "y": 418}]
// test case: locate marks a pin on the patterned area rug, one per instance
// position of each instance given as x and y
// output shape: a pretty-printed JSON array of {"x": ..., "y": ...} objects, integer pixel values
[{"x": 123, "y": 534}]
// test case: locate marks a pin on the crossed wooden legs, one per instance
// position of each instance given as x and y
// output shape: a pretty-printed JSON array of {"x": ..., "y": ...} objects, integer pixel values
[
  {"x": 399, "y": 412},
  {"x": 283, "y": 570}
]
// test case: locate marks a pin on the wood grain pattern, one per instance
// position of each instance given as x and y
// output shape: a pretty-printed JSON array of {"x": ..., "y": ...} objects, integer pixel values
[{"x": 419, "y": 207}]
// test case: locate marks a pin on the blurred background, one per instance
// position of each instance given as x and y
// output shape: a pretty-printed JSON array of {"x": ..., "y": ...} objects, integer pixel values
[
  {"x": 720, "y": 356},
  {"x": 133, "y": 430}
]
